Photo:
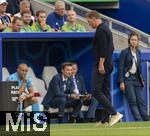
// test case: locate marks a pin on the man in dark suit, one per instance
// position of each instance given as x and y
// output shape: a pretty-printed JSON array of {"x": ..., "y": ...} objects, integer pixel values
[
  {"x": 103, "y": 65},
  {"x": 60, "y": 93},
  {"x": 88, "y": 99}
]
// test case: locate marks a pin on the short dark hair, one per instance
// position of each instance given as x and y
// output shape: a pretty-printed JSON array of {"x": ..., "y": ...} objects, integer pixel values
[
  {"x": 40, "y": 11},
  {"x": 133, "y": 34},
  {"x": 15, "y": 19},
  {"x": 63, "y": 65},
  {"x": 93, "y": 14},
  {"x": 26, "y": 12}
]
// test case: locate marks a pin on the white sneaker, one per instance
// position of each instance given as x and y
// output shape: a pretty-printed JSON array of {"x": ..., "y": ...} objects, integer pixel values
[{"x": 115, "y": 118}]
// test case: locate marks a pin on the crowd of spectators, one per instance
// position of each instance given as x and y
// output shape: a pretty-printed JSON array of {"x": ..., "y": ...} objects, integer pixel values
[{"x": 56, "y": 21}]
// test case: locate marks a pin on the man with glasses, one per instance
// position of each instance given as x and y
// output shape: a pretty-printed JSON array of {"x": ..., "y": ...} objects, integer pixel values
[
  {"x": 57, "y": 18},
  {"x": 4, "y": 17}
]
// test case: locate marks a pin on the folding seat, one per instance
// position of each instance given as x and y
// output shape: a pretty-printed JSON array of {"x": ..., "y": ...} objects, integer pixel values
[
  {"x": 5, "y": 73},
  {"x": 48, "y": 73}
]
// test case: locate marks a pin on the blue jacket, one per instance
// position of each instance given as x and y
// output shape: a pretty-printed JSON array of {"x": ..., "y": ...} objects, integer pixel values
[
  {"x": 126, "y": 61},
  {"x": 56, "y": 89},
  {"x": 55, "y": 21}
]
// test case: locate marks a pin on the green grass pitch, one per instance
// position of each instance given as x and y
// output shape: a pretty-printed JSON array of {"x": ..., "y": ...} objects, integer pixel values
[{"x": 89, "y": 129}]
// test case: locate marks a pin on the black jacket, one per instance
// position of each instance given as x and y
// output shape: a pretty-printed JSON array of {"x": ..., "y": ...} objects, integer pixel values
[
  {"x": 126, "y": 61},
  {"x": 103, "y": 47}
]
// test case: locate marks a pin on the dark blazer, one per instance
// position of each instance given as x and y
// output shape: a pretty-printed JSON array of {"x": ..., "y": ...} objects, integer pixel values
[
  {"x": 80, "y": 83},
  {"x": 56, "y": 89},
  {"x": 126, "y": 61}
]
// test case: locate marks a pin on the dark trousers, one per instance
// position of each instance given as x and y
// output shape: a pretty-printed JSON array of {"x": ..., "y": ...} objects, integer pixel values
[
  {"x": 135, "y": 98},
  {"x": 101, "y": 91},
  {"x": 61, "y": 103},
  {"x": 92, "y": 103}
]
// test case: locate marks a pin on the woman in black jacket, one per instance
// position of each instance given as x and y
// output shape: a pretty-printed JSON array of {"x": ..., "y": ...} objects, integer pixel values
[{"x": 130, "y": 78}]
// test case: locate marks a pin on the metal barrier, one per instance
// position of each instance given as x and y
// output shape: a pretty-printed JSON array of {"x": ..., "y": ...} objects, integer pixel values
[{"x": 119, "y": 28}]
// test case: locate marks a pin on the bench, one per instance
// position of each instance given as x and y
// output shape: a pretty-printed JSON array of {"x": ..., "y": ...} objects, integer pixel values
[{"x": 55, "y": 110}]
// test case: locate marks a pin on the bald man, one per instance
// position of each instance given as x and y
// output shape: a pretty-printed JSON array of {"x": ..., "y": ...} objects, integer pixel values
[
  {"x": 26, "y": 92},
  {"x": 72, "y": 25}
]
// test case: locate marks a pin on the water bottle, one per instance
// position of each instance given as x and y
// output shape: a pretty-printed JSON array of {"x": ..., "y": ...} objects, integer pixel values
[{"x": 21, "y": 106}]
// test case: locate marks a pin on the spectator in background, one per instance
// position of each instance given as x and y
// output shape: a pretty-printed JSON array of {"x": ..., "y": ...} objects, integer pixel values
[
  {"x": 13, "y": 6},
  {"x": 57, "y": 18},
  {"x": 26, "y": 92},
  {"x": 71, "y": 25},
  {"x": 40, "y": 25},
  {"x": 88, "y": 99},
  {"x": 60, "y": 94},
  {"x": 103, "y": 66},
  {"x": 5, "y": 19},
  {"x": 16, "y": 25},
  {"x": 26, "y": 17},
  {"x": 130, "y": 78},
  {"x": 25, "y": 7}
]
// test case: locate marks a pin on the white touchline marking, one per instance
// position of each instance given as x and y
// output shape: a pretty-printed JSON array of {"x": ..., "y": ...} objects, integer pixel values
[{"x": 96, "y": 128}]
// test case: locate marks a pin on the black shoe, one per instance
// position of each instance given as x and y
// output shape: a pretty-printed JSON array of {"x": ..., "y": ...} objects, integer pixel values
[
  {"x": 147, "y": 118},
  {"x": 92, "y": 120},
  {"x": 80, "y": 120},
  {"x": 72, "y": 120}
]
